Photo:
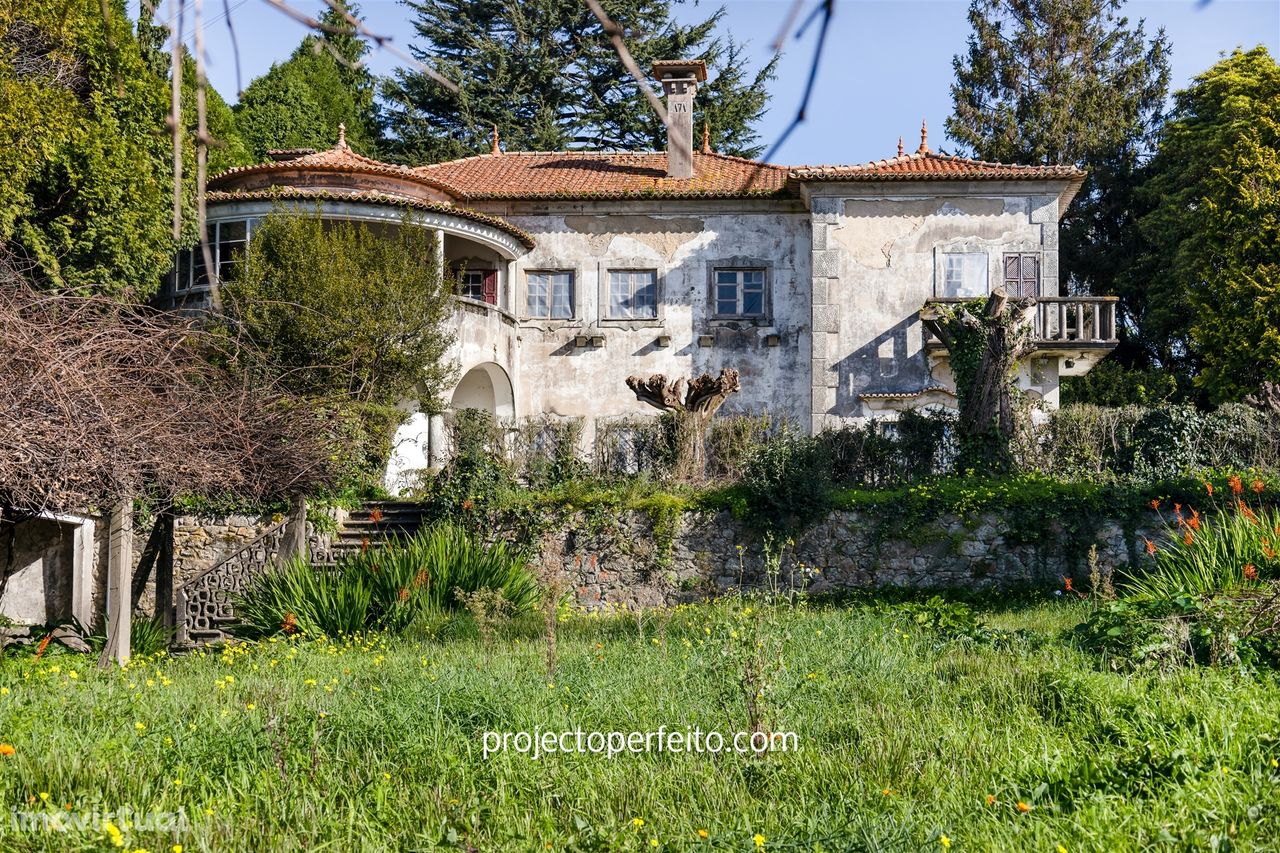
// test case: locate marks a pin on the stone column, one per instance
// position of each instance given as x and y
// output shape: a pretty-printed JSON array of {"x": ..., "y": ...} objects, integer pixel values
[
  {"x": 119, "y": 566},
  {"x": 437, "y": 452}
]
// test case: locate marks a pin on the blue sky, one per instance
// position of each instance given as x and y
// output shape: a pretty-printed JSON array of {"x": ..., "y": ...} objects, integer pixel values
[{"x": 886, "y": 68}]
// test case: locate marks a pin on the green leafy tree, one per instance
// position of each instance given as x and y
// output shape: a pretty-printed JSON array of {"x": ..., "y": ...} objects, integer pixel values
[
  {"x": 300, "y": 102},
  {"x": 1052, "y": 82},
  {"x": 546, "y": 74},
  {"x": 85, "y": 178},
  {"x": 1211, "y": 259},
  {"x": 350, "y": 316}
]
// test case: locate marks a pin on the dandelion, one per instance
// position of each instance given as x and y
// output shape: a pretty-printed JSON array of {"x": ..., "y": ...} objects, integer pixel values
[
  {"x": 945, "y": 842},
  {"x": 888, "y": 792},
  {"x": 1250, "y": 573},
  {"x": 177, "y": 783},
  {"x": 44, "y": 795},
  {"x": 177, "y": 848},
  {"x": 1060, "y": 849},
  {"x": 140, "y": 726},
  {"x": 4, "y": 691},
  {"x": 1023, "y": 807},
  {"x": 7, "y": 749},
  {"x": 703, "y": 834},
  {"x": 637, "y": 822},
  {"x": 991, "y": 799},
  {"x": 653, "y": 842},
  {"x": 759, "y": 840}
]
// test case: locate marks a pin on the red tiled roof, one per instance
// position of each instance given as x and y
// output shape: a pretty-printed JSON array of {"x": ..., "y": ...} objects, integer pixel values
[
  {"x": 927, "y": 165},
  {"x": 577, "y": 174},
  {"x": 371, "y": 197},
  {"x": 339, "y": 158}
]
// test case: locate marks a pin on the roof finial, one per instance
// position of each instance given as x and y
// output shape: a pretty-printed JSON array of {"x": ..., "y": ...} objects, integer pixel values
[
  {"x": 924, "y": 138},
  {"x": 706, "y": 138},
  {"x": 495, "y": 149},
  {"x": 901, "y": 150},
  {"x": 342, "y": 135}
]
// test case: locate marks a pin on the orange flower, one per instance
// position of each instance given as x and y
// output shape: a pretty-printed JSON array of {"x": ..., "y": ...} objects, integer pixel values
[
  {"x": 421, "y": 578},
  {"x": 1257, "y": 487},
  {"x": 1250, "y": 573},
  {"x": 1023, "y": 807},
  {"x": 1267, "y": 550},
  {"x": 6, "y": 749},
  {"x": 468, "y": 504},
  {"x": 375, "y": 515},
  {"x": 1248, "y": 513},
  {"x": 1188, "y": 538},
  {"x": 364, "y": 544},
  {"x": 404, "y": 593},
  {"x": 1234, "y": 482},
  {"x": 44, "y": 644},
  {"x": 290, "y": 623},
  {"x": 1067, "y": 583},
  {"x": 991, "y": 799},
  {"x": 1194, "y": 522},
  {"x": 1151, "y": 548},
  {"x": 1155, "y": 504},
  {"x": 1208, "y": 487}
]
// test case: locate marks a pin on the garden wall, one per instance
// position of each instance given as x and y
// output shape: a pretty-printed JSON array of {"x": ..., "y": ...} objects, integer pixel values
[{"x": 626, "y": 561}]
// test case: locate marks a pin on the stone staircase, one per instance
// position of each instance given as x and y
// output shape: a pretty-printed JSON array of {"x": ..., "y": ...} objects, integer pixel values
[{"x": 371, "y": 526}]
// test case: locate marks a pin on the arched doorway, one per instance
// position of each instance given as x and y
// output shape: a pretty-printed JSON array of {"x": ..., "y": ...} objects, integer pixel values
[{"x": 488, "y": 387}]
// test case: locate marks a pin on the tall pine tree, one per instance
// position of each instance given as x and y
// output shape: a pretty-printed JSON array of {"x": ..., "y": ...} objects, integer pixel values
[
  {"x": 546, "y": 74},
  {"x": 300, "y": 102},
  {"x": 1047, "y": 81}
]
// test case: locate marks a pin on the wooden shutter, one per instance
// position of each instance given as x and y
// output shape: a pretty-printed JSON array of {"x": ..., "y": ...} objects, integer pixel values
[
  {"x": 491, "y": 287},
  {"x": 1022, "y": 275}
]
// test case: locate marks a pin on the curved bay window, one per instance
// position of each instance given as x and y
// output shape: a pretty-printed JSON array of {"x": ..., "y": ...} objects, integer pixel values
[{"x": 227, "y": 243}]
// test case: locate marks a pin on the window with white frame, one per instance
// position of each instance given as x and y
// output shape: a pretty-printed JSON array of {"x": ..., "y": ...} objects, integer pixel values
[
  {"x": 227, "y": 244},
  {"x": 964, "y": 274},
  {"x": 739, "y": 293},
  {"x": 550, "y": 295},
  {"x": 480, "y": 284},
  {"x": 633, "y": 294}
]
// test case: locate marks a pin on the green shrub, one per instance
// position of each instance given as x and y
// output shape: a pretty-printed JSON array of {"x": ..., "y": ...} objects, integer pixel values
[
  {"x": 386, "y": 589},
  {"x": 787, "y": 480},
  {"x": 1232, "y": 548}
]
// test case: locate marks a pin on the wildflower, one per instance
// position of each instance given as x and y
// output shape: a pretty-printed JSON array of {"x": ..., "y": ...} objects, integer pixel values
[
  {"x": 991, "y": 799},
  {"x": 945, "y": 842},
  {"x": 4, "y": 691},
  {"x": 1234, "y": 482},
  {"x": 375, "y": 515},
  {"x": 1267, "y": 550},
  {"x": 1250, "y": 573},
  {"x": 758, "y": 839},
  {"x": 1194, "y": 521},
  {"x": 177, "y": 848},
  {"x": 1275, "y": 763},
  {"x": 290, "y": 623},
  {"x": 703, "y": 834},
  {"x": 1188, "y": 538},
  {"x": 44, "y": 795},
  {"x": 1060, "y": 849},
  {"x": 653, "y": 842},
  {"x": 140, "y": 726},
  {"x": 1023, "y": 807},
  {"x": 1151, "y": 548},
  {"x": 637, "y": 822},
  {"x": 44, "y": 644},
  {"x": 1155, "y": 504},
  {"x": 1257, "y": 487},
  {"x": 1067, "y": 584},
  {"x": 468, "y": 504},
  {"x": 249, "y": 707},
  {"x": 113, "y": 831},
  {"x": 888, "y": 792},
  {"x": 403, "y": 594},
  {"x": 1208, "y": 487},
  {"x": 7, "y": 749}
]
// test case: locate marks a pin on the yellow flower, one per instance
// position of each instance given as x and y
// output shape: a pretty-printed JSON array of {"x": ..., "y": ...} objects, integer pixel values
[
  {"x": 177, "y": 783},
  {"x": 758, "y": 839},
  {"x": 177, "y": 848},
  {"x": 888, "y": 792},
  {"x": 1023, "y": 807},
  {"x": 945, "y": 842},
  {"x": 1061, "y": 849},
  {"x": 7, "y": 749},
  {"x": 4, "y": 691},
  {"x": 1275, "y": 763},
  {"x": 249, "y": 707},
  {"x": 44, "y": 795},
  {"x": 703, "y": 834},
  {"x": 991, "y": 799},
  {"x": 653, "y": 842},
  {"x": 637, "y": 822},
  {"x": 139, "y": 726}
]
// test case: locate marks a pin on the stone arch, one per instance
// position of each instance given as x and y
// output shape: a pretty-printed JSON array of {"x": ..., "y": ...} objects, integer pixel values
[{"x": 485, "y": 386}]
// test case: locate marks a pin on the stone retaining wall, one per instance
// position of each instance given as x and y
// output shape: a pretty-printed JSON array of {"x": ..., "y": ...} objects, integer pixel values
[{"x": 627, "y": 563}]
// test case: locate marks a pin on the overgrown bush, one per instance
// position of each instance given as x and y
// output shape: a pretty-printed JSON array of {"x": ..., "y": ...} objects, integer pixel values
[
  {"x": 787, "y": 479},
  {"x": 386, "y": 589},
  {"x": 477, "y": 475},
  {"x": 546, "y": 452}
]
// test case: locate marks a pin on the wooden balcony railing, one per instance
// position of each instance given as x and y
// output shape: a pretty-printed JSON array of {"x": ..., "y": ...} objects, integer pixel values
[{"x": 1062, "y": 321}]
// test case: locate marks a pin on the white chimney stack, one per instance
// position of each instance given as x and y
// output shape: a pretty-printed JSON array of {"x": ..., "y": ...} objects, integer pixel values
[{"x": 680, "y": 79}]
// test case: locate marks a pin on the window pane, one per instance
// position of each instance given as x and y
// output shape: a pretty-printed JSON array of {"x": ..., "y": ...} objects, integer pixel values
[
  {"x": 964, "y": 274},
  {"x": 538, "y": 304},
  {"x": 231, "y": 231},
  {"x": 632, "y": 294},
  {"x": 646, "y": 295},
  {"x": 726, "y": 299},
  {"x": 562, "y": 296},
  {"x": 727, "y": 277}
]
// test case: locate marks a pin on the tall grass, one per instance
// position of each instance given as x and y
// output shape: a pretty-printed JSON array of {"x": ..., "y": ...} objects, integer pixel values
[
  {"x": 388, "y": 588},
  {"x": 1235, "y": 547}
]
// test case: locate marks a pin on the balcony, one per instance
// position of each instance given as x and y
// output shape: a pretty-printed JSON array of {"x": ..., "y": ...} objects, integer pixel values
[{"x": 1062, "y": 325}]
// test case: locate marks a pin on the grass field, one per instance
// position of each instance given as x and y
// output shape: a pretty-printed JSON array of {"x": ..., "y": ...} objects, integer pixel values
[{"x": 907, "y": 741}]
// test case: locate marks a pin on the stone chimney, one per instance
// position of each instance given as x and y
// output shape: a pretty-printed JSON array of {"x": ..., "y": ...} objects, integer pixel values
[{"x": 680, "y": 79}]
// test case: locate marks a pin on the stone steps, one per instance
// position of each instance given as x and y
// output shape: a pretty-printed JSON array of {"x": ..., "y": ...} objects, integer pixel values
[{"x": 372, "y": 526}]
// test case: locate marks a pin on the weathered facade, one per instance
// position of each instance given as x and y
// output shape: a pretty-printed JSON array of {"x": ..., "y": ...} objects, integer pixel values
[{"x": 577, "y": 270}]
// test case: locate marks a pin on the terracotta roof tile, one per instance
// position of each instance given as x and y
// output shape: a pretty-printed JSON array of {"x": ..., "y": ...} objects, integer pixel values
[
  {"x": 575, "y": 174},
  {"x": 371, "y": 197},
  {"x": 927, "y": 165}
]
